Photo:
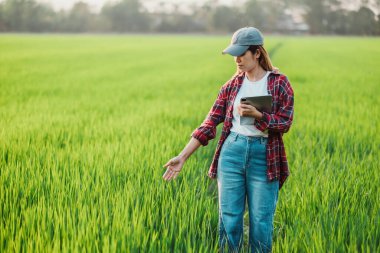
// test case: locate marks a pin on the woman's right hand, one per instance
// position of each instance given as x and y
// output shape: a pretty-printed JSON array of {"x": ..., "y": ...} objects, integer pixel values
[{"x": 173, "y": 166}]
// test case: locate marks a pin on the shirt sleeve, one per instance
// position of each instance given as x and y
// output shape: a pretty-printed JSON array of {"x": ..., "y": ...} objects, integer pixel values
[
  {"x": 216, "y": 115},
  {"x": 283, "y": 118}
]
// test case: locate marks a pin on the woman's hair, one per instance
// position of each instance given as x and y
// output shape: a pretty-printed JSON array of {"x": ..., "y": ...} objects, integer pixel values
[{"x": 264, "y": 59}]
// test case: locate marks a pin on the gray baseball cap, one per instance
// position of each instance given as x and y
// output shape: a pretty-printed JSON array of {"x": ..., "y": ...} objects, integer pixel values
[{"x": 242, "y": 39}]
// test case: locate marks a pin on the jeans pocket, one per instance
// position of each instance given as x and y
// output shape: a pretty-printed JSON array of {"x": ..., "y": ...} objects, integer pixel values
[
  {"x": 264, "y": 143},
  {"x": 230, "y": 139}
]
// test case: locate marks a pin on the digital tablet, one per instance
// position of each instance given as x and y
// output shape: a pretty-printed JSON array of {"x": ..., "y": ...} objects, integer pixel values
[{"x": 262, "y": 103}]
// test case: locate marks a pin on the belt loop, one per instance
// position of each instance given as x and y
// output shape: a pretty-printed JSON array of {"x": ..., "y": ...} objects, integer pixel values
[{"x": 236, "y": 136}]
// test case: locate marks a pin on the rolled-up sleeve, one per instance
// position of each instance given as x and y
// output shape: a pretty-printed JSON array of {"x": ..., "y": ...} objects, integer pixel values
[
  {"x": 283, "y": 118},
  {"x": 207, "y": 130}
]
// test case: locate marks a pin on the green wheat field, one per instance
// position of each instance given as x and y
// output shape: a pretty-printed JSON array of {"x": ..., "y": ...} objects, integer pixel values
[{"x": 88, "y": 121}]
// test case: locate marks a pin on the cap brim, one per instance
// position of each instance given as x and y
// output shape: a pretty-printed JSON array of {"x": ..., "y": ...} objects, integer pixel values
[{"x": 235, "y": 50}]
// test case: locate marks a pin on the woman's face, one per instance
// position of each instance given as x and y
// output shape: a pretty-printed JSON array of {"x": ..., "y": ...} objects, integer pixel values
[{"x": 247, "y": 61}]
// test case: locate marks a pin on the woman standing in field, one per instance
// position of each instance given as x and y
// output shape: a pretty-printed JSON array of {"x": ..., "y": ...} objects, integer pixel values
[{"x": 250, "y": 161}]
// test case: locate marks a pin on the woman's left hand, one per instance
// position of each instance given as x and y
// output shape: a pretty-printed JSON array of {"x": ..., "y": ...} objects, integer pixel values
[
  {"x": 248, "y": 110},
  {"x": 173, "y": 166}
]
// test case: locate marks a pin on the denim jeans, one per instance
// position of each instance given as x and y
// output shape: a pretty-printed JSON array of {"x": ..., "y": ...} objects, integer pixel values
[{"x": 242, "y": 176}]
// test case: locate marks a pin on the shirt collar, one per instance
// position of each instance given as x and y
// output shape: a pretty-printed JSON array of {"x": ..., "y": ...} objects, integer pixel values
[{"x": 242, "y": 74}]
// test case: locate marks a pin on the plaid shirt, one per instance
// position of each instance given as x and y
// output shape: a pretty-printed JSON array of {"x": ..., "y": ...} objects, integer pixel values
[{"x": 277, "y": 122}]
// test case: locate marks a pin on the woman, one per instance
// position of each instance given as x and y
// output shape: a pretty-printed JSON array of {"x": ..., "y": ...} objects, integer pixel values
[{"x": 250, "y": 161}]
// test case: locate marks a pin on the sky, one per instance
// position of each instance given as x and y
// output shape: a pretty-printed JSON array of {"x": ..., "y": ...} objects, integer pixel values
[{"x": 96, "y": 5}]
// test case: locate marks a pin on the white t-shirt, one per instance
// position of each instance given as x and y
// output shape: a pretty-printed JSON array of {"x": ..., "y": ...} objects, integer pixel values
[{"x": 249, "y": 89}]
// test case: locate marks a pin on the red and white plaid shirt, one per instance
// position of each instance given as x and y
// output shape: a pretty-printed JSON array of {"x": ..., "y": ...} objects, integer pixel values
[{"x": 277, "y": 122}]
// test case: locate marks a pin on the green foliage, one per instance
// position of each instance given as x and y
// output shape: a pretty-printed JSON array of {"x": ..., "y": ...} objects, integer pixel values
[
  {"x": 333, "y": 17},
  {"x": 126, "y": 16},
  {"x": 226, "y": 18},
  {"x": 25, "y": 16},
  {"x": 88, "y": 121}
]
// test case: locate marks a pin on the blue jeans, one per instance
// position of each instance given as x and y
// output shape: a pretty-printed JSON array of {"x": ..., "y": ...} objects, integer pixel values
[{"x": 242, "y": 175}]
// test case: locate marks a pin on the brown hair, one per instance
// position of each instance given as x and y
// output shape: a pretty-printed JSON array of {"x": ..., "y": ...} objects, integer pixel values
[{"x": 264, "y": 59}]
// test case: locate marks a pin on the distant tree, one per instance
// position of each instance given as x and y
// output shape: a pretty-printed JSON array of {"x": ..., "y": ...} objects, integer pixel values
[
  {"x": 3, "y": 26},
  {"x": 201, "y": 17},
  {"x": 274, "y": 10},
  {"x": 14, "y": 14},
  {"x": 316, "y": 15},
  {"x": 126, "y": 16},
  {"x": 332, "y": 16},
  {"x": 321, "y": 16},
  {"x": 42, "y": 18},
  {"x": 27, "y": 15},
  {"x": 254, "y": 14},
  {"x": 227, "y": 18},
  {"x": 266, "y": 15},
  {"x": 339, "y": 22},
  {"x": 79, "y": 18},
  {"x": 364, "y": 22},
  {"x": 179, "y": 23}
]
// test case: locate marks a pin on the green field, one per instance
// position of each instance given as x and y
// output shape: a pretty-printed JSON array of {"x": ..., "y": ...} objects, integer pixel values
[{"x": 87, "y": 122}]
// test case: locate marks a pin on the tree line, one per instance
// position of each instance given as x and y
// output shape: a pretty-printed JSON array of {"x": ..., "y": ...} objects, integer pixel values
[{"x": 279, "y": 16}]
